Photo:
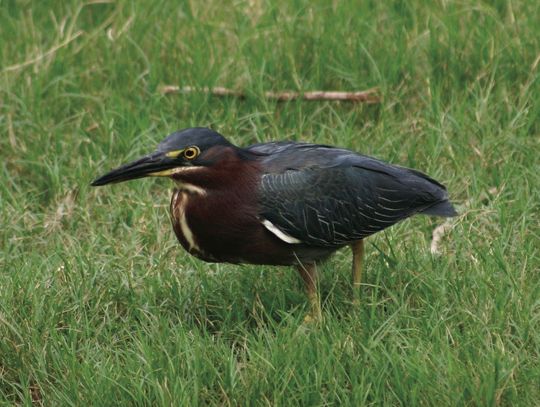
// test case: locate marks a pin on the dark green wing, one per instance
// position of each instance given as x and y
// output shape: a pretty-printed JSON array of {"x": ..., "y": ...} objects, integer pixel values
[{"x": 329, "y": 197}]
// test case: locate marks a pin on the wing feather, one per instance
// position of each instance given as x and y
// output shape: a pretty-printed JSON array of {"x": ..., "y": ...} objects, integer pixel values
[{"x": 331, "y": 197}]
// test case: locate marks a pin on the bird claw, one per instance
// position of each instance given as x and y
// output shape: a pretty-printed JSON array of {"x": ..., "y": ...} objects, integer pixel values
[
  {"x": 310, "y": 322},
  {"x": 313, "y": 317},
  {"x": 356, "y": 301}
]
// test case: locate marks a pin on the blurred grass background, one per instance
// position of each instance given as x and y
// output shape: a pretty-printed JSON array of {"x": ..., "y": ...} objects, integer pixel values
[{"x": 100, "y": 306}]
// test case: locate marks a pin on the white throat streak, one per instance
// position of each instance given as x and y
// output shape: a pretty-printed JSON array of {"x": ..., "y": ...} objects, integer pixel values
[{"x": 180, "y": 213}]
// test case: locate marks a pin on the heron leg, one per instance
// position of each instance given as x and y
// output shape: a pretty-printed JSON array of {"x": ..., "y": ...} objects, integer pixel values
[
  {"x": 358, "y": 256},
  {"x": 309, "y": 275}
]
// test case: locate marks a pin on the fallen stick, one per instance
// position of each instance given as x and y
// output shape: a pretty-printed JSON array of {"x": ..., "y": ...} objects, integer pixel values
[
  {"x": 442, "y": 229},
  {"x": 366, "y": 96},
  {"x": 438, "y": 234}
]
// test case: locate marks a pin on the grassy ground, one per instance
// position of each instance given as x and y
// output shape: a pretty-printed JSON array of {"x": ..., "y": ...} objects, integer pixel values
[{"x": 98, "y": 303}]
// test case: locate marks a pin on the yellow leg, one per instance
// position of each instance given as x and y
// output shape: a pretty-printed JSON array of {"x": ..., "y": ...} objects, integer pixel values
[
  {"x": 309, "y": 275},
  {"x": 358, "y": 255}
]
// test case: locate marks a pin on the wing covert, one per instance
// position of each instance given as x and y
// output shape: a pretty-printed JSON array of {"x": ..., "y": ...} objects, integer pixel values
[{"x": 335, "y": 206}]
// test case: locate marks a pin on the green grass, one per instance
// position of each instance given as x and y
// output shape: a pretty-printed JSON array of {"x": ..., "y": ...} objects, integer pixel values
[{"x": 100, "y": 306}]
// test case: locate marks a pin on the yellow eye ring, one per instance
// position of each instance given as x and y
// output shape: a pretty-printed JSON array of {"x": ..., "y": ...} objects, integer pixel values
[{"x": 191, "y": 152}]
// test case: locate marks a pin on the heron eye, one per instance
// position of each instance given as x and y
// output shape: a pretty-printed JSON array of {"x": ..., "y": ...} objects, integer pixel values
[{"x": 191, "y": 152}]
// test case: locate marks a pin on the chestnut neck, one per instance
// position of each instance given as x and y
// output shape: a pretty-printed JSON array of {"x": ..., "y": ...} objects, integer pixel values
[{"x": 224, "y": 169}]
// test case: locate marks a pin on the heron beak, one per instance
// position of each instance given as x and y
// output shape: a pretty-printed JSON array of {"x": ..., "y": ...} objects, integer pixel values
[{"x": 157, "y": 164}]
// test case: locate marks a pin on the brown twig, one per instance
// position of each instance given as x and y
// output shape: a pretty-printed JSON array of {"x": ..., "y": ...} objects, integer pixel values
[
  {"x": 365, "y": 96},
  {"x": 445, "y": 227},
  {"x": 438, "y": 234}
]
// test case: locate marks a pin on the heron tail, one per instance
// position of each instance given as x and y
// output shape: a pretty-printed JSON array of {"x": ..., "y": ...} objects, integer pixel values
[{"x": 443, "y": 208}]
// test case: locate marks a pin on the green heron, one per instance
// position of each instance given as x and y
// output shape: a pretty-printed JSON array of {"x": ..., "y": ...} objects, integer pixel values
[{"x": 281, "y": 203}]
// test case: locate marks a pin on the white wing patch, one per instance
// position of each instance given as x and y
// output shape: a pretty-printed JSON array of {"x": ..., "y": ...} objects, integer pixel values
[{"x": 280, "y": 234}]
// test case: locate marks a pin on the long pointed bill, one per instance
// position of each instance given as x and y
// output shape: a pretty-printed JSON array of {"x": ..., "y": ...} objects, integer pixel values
[{"x": 155, "y": 164}]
